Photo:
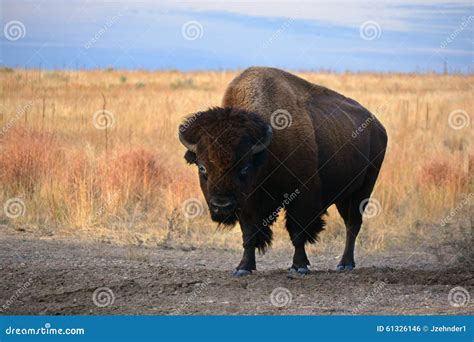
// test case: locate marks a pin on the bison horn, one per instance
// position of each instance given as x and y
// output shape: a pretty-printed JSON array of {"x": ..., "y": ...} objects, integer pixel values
[
  {"x": 189, "y": 146},
  {"x": 265, "y": 143}
]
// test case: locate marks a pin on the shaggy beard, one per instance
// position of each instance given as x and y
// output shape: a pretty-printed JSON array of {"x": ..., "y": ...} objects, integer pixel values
[{"x": 228, "y": 220}]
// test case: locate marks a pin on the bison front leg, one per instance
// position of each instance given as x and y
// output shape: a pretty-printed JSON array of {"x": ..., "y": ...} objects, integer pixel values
[
  {"x": 249, "y": 237},
  {"x": 303, "y": 222},
  {"x": 254, "y": 237},
  {"x": 298, "y": 238}
]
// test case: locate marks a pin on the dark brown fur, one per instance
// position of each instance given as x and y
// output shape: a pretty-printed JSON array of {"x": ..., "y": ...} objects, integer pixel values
[{"x": 318, "y": 155}]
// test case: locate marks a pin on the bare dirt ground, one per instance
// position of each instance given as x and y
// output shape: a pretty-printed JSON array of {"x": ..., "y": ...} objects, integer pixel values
[{"x": 46, "y": 276}]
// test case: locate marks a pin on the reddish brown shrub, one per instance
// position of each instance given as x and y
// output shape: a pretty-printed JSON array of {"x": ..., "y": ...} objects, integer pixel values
[
  {"x": 27, "y": 156},
  {"x": 441, "y": 173},
  {"x": 137, "y": 172}
]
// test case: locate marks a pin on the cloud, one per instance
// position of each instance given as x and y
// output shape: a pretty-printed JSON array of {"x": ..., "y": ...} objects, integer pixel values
[
  {"x": 390, "y": 15},
  {"x": 292, "y": 34}
]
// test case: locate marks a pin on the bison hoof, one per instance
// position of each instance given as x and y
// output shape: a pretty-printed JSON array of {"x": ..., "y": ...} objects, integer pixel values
[
  {"x": 241, "y": 273},
  {"x": 298, "y": 270},
  {"x": 342, "y": 267}
]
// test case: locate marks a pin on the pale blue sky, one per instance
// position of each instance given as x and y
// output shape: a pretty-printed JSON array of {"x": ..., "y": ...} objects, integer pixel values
[{"x": 400, "y": 36}]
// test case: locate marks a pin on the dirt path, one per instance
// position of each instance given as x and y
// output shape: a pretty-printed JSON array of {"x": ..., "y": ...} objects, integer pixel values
[{"x": 50, "y": 277}]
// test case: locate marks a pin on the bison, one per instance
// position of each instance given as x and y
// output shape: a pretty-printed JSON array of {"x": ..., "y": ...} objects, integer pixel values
[{"x": 281, "y": 142}]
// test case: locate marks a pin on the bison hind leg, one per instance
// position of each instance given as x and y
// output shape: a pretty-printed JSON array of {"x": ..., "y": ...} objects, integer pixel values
[{"x": 351, "y": 209}]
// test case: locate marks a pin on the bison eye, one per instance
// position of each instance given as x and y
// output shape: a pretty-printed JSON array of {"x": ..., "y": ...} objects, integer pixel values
[
  {"x": 243, "y": 171},
  {"x": 202, "y": 169}
]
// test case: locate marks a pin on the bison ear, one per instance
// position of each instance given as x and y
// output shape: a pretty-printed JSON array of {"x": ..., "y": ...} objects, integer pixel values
[
  {"x": 190, "y": 131},
  {"x": 190, "y": 157},
  {"x": 182, "y": 138},
  {"x": 264, "y": 142},
  {"x": 189, "y": 134}
]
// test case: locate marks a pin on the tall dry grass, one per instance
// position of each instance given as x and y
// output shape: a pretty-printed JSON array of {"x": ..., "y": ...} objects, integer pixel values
[{"x": 129, "y": 183}]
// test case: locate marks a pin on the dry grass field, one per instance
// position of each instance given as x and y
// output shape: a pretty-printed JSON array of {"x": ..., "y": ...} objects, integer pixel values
[
  {"x": 64, "y": 175},
  {"x": 86, "y": 207}
]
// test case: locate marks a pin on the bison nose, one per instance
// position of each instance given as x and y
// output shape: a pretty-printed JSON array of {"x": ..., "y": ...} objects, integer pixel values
[{"x": 222, "y": 204}]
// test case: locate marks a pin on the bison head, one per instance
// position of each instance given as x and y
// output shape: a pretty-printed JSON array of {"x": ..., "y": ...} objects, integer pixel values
[{"x": 228, "y": 145}]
